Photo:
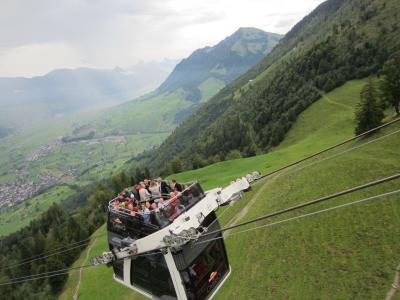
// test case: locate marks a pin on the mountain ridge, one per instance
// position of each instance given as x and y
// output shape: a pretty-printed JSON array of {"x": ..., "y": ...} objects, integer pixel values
[{"x": 221, "y": 60}]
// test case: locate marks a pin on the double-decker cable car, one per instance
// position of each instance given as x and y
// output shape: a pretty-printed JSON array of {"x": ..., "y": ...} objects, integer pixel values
[{"x": 151, "y": 250}]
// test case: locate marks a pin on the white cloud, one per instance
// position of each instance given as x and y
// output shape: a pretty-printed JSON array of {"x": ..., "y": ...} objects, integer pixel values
[
  {"x": 38, "y": 59},
  {"x": 41, "y": 35}
]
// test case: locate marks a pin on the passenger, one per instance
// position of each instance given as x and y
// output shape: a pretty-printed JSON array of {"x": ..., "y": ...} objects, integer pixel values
[
  {"x": 173, "y": 210},
  {"x": 136, "y": 203},
  {"x": 146, "y": 184},
  {"x": 186, "y": 190},
  {"x": 173, "y": 195},
  {"x": 116, "y": 204},
  {"x": 143, "y": 193},
  {"x": 146, "y": 213},
  {"x": 131, "y": 209},
  {"x": 125, "y": 202},
  {"x": 148, "y": 205},
  {"x": 130, "y": 205},
  {"x": 176, "y": 186},
  {"x": 135, "y": 192},
  {"x": 160, "y": 203},
  {"x": 155, "y": 189},
  {"x": 135, "y": 207},
  {"x": 137, "y": 188},
  {"x": 158, "y": 217},
  {"x": 186, "y": 195},
  {"x": 126, "y": 193},
  {"x": 164, "y": 187}
]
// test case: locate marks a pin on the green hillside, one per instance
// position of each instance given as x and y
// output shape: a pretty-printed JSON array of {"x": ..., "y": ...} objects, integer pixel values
[
  {"x": 346, "y": 254},
  {"x": 338, "y": 41}
]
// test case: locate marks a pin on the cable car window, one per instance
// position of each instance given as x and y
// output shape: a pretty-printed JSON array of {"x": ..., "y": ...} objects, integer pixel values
[
  {"x": 118, "y": 267},
  {"x": 206, "y": 271},
  {"x": 150, "y": 273},
  {"x": 129, "y": 225}
]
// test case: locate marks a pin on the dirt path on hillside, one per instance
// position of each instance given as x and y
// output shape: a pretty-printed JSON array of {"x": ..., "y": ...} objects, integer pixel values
[
  {"x": 75, "y": 297},
  {"x": 329, "y": 100},
  {"x": 245, "y": 210},
  {"x": 395, "y": 285}
]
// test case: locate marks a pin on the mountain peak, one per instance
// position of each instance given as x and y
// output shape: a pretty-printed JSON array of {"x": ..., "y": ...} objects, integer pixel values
[
  {"x": 247, "y": 33},
  {"x": 245, "y": 30},
  {"x": 224, "y": 62}
]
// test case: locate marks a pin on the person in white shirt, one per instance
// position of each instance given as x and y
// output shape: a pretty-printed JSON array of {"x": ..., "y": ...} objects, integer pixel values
[{"x": 143, "y": 193}]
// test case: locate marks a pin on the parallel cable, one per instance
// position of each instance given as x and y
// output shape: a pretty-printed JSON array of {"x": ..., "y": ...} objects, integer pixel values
[
  {"x": 61, "y": 271},
  {"x": 220, "y": 216},
  {"x": 340, "y": 153},
  {"x": 44, "y": 275},
  {"x": 302, "y": 216},
  {"x": 53, "y": 252},
  {"x": 49, "y": 273},
  {"x": 322, "y": 160},
  {"x": 43, "y": 255},
  {"x": 330, "y": 148},
  {"x": 312, "y": 202}
]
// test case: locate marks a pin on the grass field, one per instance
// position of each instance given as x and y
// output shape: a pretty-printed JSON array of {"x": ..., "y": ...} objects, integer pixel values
[{"x": 349, "y": 253}]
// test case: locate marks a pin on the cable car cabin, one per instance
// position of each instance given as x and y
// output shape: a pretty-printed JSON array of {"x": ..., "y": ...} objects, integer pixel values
[{"x": 185, "y": 272}]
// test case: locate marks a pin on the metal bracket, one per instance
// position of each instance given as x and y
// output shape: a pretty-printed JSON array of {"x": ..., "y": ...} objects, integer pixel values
[
  {"x": 178, "y": 240},
  {"x": 104, "y": 259}
]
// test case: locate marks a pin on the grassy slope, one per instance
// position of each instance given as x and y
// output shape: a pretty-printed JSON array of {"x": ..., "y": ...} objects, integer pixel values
[{"x": 350, "y": 253}]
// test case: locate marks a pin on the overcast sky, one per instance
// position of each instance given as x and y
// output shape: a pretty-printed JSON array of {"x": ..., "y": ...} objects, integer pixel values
[{"x": 37, "y": 36}]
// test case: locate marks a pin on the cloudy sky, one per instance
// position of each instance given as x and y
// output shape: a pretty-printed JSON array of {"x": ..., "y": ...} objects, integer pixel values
[{"x": 37, "y": 36}]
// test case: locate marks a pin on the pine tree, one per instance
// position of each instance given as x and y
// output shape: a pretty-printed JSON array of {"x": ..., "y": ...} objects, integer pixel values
[
  {"x": 390, "y": 84},
  {"x": 234, "y": 154},
  {"x": 197, "y": 161},
  {"x": 176, "y": 165},
  {"x": 369, "y": 113}
]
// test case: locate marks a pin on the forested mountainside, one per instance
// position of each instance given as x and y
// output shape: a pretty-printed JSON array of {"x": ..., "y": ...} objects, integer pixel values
[{"x": 340, "y": 40}]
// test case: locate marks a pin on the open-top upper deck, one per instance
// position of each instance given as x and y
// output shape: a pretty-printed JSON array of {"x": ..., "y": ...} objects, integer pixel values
[{"x": 127, "y": 219}]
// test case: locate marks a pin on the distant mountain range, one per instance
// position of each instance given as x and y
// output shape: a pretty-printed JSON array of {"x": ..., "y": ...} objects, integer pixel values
[
  {"x": 192, "y": 82},
  {"x": 66, "y": 91}
]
